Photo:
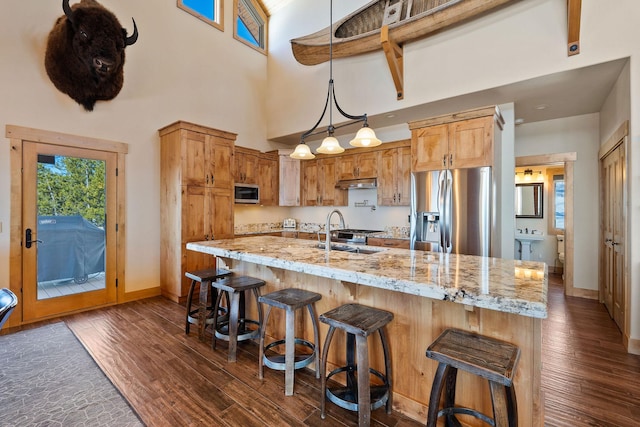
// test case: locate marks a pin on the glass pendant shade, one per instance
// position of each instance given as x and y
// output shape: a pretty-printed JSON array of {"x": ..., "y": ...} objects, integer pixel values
[
  {"x": 302, "y": 152},
  {"x": 365, "y": 137},
  {"x": 330, "y": 145}
]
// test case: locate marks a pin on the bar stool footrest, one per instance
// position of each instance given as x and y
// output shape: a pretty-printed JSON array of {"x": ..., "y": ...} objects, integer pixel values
[
  {"x": 346, "y": 397},
  {"x": 452, "y": 411},
  {"x": 277, "y": 361},
  {"x": 244, "y": 333}
]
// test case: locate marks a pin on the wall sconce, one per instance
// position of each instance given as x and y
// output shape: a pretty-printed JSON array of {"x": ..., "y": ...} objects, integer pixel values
[{"x": 527, "y": 175}]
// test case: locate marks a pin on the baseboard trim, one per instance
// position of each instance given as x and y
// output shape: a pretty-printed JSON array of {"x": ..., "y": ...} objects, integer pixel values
[
  {"x": 584, "y": 293},
  {"x": 633, "y": 346},
  {"x": 142, "y": 294}
]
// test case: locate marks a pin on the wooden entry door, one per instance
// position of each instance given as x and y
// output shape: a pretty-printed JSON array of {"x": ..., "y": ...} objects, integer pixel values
[
  {"x": 69, "y": 233},
  {"x": 613, "y": 249}
]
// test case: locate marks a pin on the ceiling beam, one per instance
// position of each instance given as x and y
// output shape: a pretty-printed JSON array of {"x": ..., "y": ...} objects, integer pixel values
[
  {"x": 394, "y": 55},
  {"x": 573, "y": 24}
]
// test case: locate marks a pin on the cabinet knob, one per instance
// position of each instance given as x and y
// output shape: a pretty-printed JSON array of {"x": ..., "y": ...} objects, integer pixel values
[{"x": 444, "y": 161}]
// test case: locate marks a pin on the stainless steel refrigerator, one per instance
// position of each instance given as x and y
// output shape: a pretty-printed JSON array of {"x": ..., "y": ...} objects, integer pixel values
[{"x": 451, "y": 211}]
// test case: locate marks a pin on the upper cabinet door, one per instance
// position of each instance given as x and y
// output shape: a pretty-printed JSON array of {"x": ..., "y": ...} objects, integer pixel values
[
  {"x": 471, "y": 143},
  {"x": 194, "y": 158},
  {"x": 309, "y": 183},
  {"x": 246, "y": 165},
  {"x": 429, "y": 148},
  {"x": 221, "y": 152},
  {"x": 362, "y": 165}
]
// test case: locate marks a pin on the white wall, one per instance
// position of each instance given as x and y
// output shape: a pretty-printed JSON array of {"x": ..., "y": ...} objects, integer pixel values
[
  {"x": 574, "y": 134},
  {"x": 180, "y": 68}
]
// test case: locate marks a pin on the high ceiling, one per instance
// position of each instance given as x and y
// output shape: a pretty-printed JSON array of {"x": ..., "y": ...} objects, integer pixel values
[{"x": 564, "y": 94}]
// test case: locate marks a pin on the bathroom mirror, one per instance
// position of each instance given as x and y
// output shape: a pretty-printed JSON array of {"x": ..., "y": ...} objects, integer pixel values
[{"x": 529, "y": 200}]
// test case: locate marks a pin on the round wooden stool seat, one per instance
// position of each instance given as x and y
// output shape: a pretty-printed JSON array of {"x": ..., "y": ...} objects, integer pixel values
[
  {"x": 193, "y": 314},
  {"x": 486, "y": 357},
  {"x": 358, "y": 321},
  {"x": 236, "y": 327},
  {"x": 289, "y": 300}
]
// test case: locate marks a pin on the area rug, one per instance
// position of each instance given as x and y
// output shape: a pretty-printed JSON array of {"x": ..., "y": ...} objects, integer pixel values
[{"x": 47, "y": 378}]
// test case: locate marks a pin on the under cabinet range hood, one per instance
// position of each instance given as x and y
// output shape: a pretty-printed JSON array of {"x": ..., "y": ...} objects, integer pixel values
[{"x": 362, "y": 183}]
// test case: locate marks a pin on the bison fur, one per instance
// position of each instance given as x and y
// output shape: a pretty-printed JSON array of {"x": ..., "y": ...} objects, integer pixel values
[{"x": 85, "y": 53}]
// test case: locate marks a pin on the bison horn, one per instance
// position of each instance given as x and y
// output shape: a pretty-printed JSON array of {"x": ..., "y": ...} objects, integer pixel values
[
  {"x": 67, "y": 10},
  {"x": 133, "y": 37}
]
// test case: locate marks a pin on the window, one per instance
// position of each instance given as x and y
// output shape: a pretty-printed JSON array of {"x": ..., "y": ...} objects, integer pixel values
[
  {"x": 250, "y": 24},
  {"x": 210, "y": 11},
  {"x": 556, "y": 201}
]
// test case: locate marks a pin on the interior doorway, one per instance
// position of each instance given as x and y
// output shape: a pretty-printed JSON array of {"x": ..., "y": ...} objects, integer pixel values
[
  {"x": 566, "y": 162},
  {"x": 66, "y": 222}
]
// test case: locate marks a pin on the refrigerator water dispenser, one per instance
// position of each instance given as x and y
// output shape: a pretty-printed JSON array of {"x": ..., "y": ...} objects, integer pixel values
[{"x": 430, "y": 227}]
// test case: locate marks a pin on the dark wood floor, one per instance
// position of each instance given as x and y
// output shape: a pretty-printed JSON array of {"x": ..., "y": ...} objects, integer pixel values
[
  {"x": 588, "y": 378},
  {"x": 172, "y": 379}
]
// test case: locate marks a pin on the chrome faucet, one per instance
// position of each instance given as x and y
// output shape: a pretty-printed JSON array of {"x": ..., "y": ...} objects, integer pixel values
[{"x": 327, "y": 228}]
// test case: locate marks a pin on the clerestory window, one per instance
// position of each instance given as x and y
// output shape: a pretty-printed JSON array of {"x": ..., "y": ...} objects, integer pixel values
[
  {"x": 250, "y": 24},
  {"x": 209, "y": 11}
]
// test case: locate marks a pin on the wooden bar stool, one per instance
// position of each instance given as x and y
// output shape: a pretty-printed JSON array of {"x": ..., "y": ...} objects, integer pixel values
[
  {"x": 236, "y": 327},
  {"x": 289, "y": 300},
  {"x": 486, "y": 357},
  {"x": 199, "y": 315},
  {"x": 358, "y": 321}
]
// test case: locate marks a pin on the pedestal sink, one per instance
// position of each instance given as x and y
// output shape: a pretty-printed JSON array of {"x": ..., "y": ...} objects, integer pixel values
[{"x": 526, "y": 240}]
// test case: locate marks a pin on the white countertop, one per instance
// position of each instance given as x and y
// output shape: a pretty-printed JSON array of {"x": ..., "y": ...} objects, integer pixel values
[{"x": 510, "y": 286}]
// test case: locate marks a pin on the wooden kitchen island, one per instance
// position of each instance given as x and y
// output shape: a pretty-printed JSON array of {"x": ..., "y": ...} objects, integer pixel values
[{"x": 427, "y": 292}]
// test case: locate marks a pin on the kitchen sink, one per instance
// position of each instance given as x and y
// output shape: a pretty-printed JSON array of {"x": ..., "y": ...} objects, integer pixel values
[{"x": 349, "y": 248}]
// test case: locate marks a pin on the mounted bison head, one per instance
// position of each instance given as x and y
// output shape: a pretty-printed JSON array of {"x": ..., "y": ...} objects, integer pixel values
[{"x": 85, "y": 53}]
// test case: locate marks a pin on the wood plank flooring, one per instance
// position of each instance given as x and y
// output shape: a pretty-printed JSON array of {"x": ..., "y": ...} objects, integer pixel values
[
  {"x": 587, "y": 376},
  {"x": 173, "y": 379}
]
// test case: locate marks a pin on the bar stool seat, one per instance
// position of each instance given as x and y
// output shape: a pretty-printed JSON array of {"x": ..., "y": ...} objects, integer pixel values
[
  {"x": 289, "y": 300},
  {"x": 196, "y": 316},
  {"x": 486, "y": 357},
  {"x": 358, "y": 321},
  {"x": 236, "y": 327}
]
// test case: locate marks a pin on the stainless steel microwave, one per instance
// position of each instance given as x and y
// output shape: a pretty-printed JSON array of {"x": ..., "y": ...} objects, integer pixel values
[{"x": 247, "y": 193}]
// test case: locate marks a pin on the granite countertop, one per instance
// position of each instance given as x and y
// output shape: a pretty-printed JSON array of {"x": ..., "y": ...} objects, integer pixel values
[{"x": 511, "y": 286}]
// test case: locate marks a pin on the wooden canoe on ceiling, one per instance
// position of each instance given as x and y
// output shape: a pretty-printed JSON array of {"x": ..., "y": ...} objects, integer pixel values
[{"x": 407, "y": 20}]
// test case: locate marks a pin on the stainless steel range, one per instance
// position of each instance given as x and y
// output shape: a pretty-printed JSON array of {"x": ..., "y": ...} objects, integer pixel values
[{"x": 349, "y": 235}]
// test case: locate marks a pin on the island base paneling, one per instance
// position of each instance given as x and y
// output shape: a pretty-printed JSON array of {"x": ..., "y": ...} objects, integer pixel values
[{"x": 417, "y": 322}]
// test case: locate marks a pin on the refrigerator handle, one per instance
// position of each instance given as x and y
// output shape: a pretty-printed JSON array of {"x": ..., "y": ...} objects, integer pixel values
[
  {"x": 413, "y": 216},
  {"x": 448, "y": 213},
  {"x": 442, "y": 189}
]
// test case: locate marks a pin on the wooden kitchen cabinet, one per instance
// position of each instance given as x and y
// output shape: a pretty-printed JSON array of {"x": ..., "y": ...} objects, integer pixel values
[
  {"x": 268, "y": 179},
  {"x": 388, "y": 243},
  {"x": 460, "y": 140},
  {"x": 327, "y": 178},
  {"x": 246, "y": 165},
  {"x": 318, "y": 183},
  {"x": 309, "y": 183},
  {"x": 196, "y": 199},
  {"x": 360, "y": 165},
  {"x": 289, "y": 177},
  {"x": 394, "y": 174}
]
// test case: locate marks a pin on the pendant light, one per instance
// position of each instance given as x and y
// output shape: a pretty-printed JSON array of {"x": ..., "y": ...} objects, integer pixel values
[{"x": 365, "y": 137}]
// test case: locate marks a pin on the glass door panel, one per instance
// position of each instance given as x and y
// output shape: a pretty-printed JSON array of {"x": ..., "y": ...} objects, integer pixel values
[{"x": 66, "y": 246}]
